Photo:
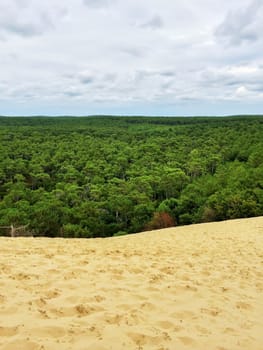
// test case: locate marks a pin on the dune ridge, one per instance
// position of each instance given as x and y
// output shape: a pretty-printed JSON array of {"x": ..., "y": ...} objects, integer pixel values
[{"x": 194, "y": 287}]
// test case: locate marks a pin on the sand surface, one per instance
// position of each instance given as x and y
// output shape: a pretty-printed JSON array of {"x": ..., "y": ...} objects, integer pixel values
[{"x": 194, "y": 287}]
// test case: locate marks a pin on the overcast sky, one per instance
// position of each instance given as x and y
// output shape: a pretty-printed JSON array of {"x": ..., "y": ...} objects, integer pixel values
[{"x": 144, "y": 57}]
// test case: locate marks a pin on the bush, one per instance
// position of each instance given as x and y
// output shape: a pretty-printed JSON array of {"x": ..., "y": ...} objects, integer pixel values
[
  {"x": 74, "y": 231},
  {"x": 209, "y": 215},
  {"x": 160, "y": 220}
]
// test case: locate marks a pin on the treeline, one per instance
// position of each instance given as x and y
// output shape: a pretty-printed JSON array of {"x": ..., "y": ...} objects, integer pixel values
[{"x": 102, "y": 176}]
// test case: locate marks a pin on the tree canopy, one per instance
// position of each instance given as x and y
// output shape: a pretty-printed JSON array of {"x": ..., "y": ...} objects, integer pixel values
[{"x": 104, "y": 176}]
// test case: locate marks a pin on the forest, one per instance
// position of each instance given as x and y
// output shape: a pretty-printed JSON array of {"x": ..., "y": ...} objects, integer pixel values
[{"x": 103, "y": 176}]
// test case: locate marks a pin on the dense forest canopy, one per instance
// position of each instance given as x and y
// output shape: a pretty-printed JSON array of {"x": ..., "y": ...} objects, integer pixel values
[{"x": 101, "y": 176}]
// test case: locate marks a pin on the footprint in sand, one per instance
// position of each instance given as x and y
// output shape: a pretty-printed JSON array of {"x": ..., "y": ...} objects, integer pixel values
[
  {"x": 84, "y": 300},
  {"x": 43, "y": 314},
  {"x": 147, "y": 306},
  {"x": 243, "y": 305},
  {"x": 114, "y": 319},
  {"x": 8, "y": 331},
  {"x": 259, "y": 286},
  {"x": 182, "y": 315},
  {"x": 22, "y": 276},
  {"x": 187, "y": 340},
  {"x": 165, "y": 325},
  {"x": 49, "y": 256},
  {"x": 80, "y": 310},
  {"x": 81, "y": 330},
  {"x": 52, "y": 293},
  {"x": 97, "y": 298},
  {"x": 84, "y": 310},
  {"x": 167, "y": 270},
  {"x": 206, "y": 272},
  {"x": 156, "y": 278},
  {"x": 5, "y": 269},
  {"x": 202, "y": 330},
  {"x": 2, "y": 298},
  {"x": 141, "y": 339},
  {"x": 212, "y": 311},
  {"x": 40, "y": 302},
  {"x": 230, "y": 330},
  {"x": 136, "y": 270},
  {"x": 134, "y": 317}
]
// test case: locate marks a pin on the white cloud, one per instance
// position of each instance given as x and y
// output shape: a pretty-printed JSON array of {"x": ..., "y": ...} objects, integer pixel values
[
  {"x": 241, "y": 91},
  {"x": 87, "y": 55}
]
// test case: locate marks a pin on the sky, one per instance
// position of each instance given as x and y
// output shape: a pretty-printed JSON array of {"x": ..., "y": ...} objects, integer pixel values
[{"x": 131, "y": 57}]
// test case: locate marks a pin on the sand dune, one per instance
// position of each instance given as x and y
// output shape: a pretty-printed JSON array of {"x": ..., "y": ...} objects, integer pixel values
[{"x": 195, "y": 287}]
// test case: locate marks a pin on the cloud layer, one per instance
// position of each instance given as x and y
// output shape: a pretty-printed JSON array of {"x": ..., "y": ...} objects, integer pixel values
[
  {"x": 133, "y": 57},
  {"x": 242, "y": 25}
]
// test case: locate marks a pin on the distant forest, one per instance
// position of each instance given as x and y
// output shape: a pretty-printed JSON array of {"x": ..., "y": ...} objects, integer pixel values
[{"x": 105, "y": 176}]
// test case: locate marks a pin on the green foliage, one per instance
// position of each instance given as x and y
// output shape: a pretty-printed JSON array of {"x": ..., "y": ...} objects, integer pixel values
[
  {"x": 120, "y": 233},
  {"x": 104, "y": 176},
  {"x": 73, "y": 231}
]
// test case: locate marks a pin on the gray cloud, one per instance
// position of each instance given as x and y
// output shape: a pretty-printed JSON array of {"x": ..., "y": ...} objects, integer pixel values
[
  {"x": 98, "y": 80},
  {"x": 86, "y": 77},
  {"x": 87, "y": 80},
  {"x": 243, "y": 25},
  {"x": 25, "y": 28},
  {"x": 155, "y": 22},
  {"x": 22, "y": 3},
  {"x": 168, "y": 73},
  {"x": 110, "y": 77},
  {"x": 24, "y": 18},
  {"x": 96, "y": 3},
  {"x": 72, "y": 93},
  {"x": 133, "y": 51}
]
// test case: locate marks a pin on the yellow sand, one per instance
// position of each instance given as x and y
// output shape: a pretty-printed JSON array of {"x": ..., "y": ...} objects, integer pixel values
[{"x": 194, "y": 287}]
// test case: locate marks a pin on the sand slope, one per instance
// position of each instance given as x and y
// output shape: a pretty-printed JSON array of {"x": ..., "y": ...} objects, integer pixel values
[{"x": 195, "y": 287}]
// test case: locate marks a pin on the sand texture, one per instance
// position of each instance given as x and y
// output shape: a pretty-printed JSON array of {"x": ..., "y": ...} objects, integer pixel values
[{"x": 194, "y": 287}]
